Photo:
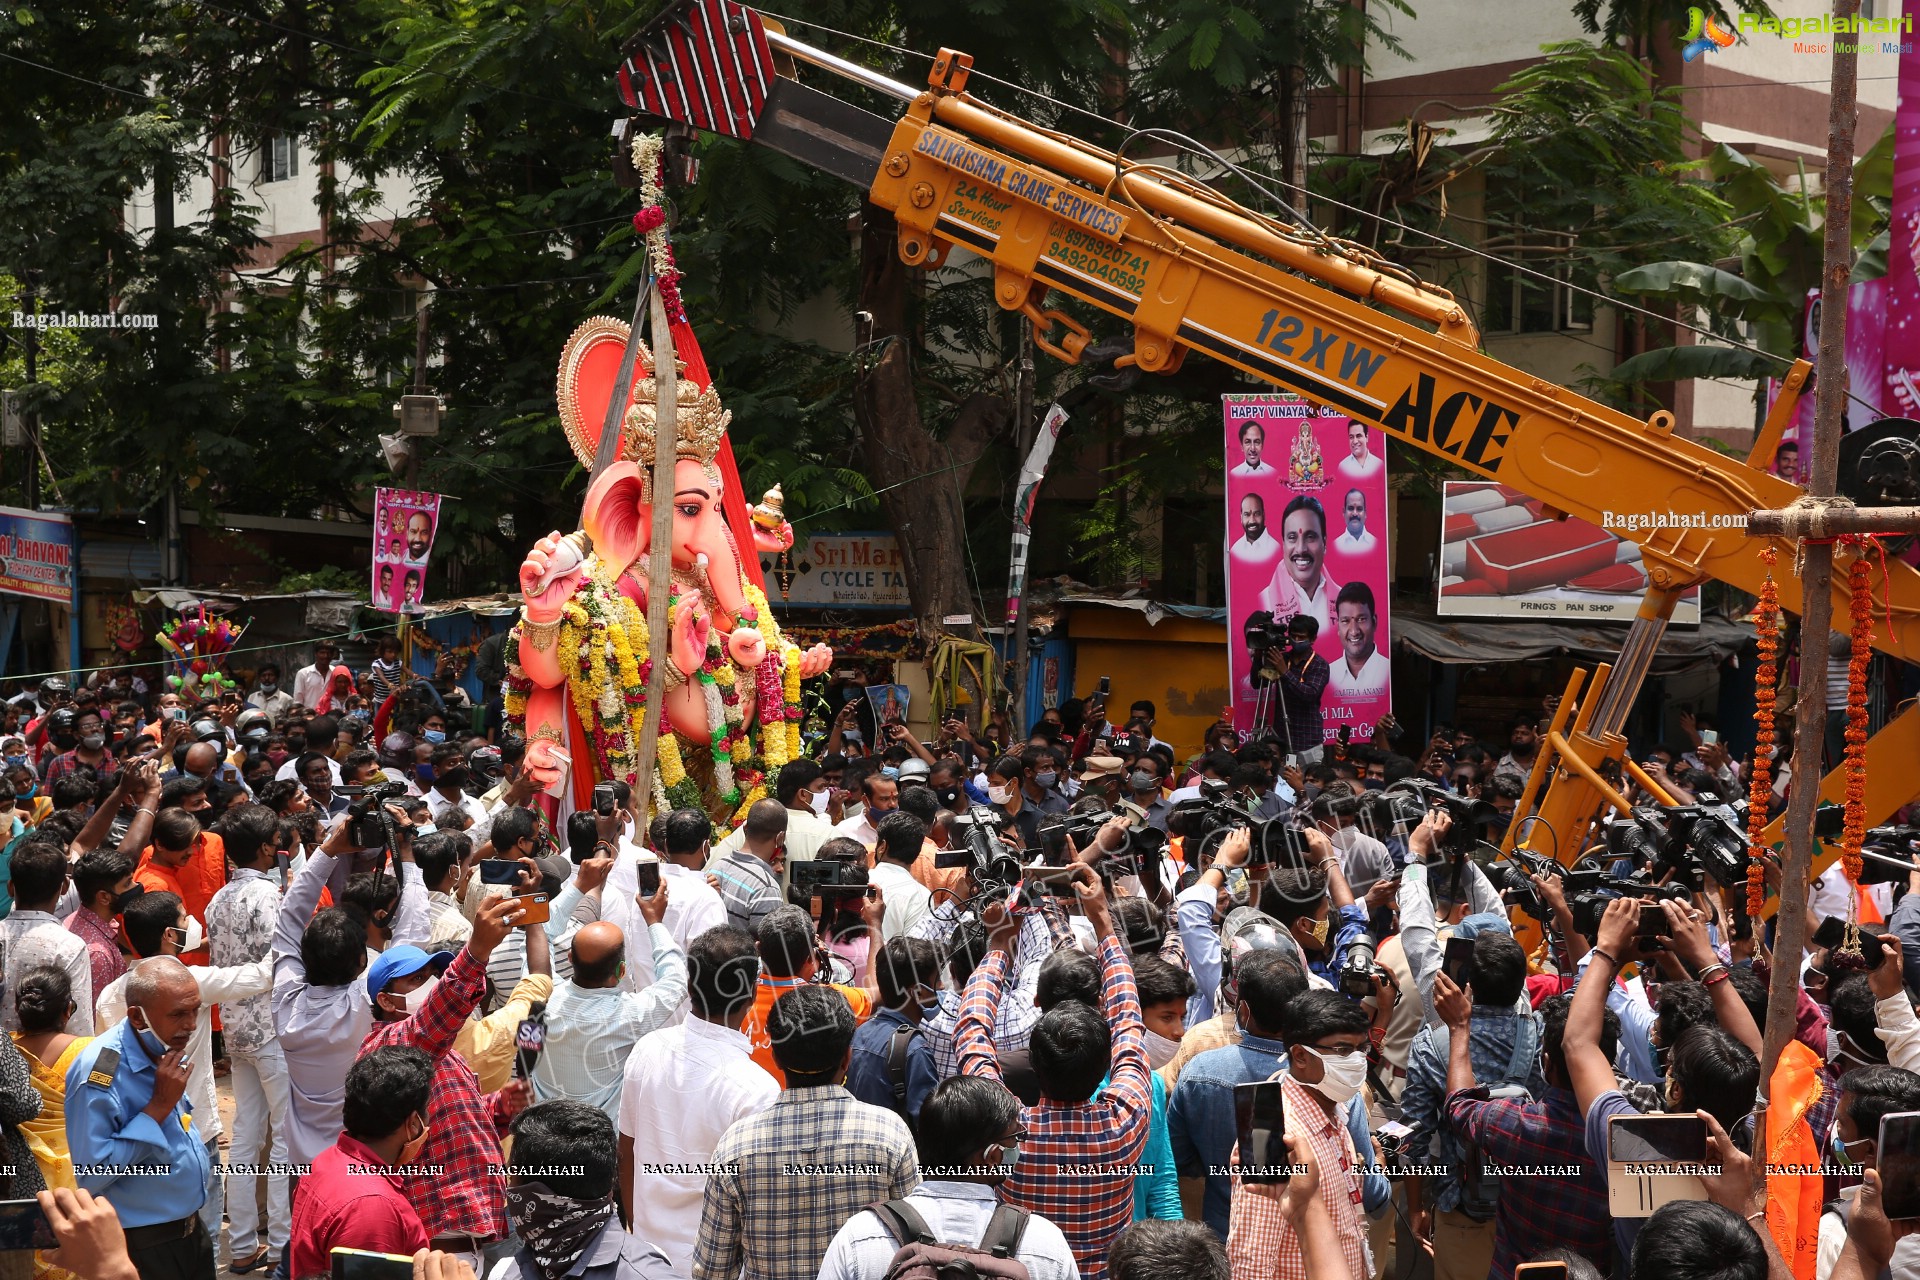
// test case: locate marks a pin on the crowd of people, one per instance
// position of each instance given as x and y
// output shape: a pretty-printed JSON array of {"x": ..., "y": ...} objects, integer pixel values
[{"x": 979, "y": 1002}]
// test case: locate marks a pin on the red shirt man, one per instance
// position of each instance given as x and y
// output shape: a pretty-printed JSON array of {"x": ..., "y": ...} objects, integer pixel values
[{"x": 352, "y": 1197}]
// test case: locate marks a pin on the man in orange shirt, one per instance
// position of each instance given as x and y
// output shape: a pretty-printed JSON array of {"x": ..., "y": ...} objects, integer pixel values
[
  {"x": 187, "y": 861},
  {"x": 789, "y": 959}
]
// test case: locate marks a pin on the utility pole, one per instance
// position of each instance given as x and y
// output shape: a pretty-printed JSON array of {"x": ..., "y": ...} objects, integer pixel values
[
  {"x": 1023, "y": 441},
  {"x": 1816, "y": 571}
]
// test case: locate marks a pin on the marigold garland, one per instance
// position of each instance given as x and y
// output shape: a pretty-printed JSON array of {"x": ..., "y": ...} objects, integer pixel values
[
  {"x": 651, "y": 222},
  {"x": 1853, "y": 834},
  {"x": 1766, "y": 620}
]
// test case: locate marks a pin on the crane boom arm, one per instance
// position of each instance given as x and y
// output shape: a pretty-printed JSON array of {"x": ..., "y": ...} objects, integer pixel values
[{"x": 1191, "y": 270}]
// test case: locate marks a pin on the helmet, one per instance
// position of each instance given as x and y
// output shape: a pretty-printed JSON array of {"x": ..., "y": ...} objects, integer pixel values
[
  {"x": 207, "y": 730},
  {"x": 486, "y": 760},
  {"x": 397, "y": 748},
  {"x": 252, "y": 726},
  {"x": 54, "y": 687},
  {"x": 60, "y": 721}
]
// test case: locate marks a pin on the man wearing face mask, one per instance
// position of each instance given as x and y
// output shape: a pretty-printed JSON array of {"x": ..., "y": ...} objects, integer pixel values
[
  {"x": 1867, "y": 1094},
  {"x": 188, "y": 862},
  {"x": 892, "y": 1063},
  {"x": 1143, "y": 786},
  {"x": 969, "y": 1142},
  {"x": 129, "y": 1128},
  {"x": 104, "y": 880},
  {"x": 1326, "y": 1037},
  {"x": 349, "y": 1200},
  {"x": 448, "y": 792},
  {"x": 1040, "y": 782},
  {"x": 90, "y": 751},
  {"x": 882, "y": 795},
  {"x": 157, "y": 925},
  {"x": 1523, "y": 744},
  {"x": 1006, "y": 779},
  {"x": 423, "y": 1000},
  {"x": 268, "y": 697}
]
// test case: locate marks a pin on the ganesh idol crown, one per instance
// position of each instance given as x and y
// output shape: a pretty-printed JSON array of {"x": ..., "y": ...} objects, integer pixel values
[{"x": 578, "y": 689}]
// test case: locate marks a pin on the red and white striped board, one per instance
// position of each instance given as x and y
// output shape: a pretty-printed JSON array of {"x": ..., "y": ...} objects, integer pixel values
[{"x": 705, "y": 63}]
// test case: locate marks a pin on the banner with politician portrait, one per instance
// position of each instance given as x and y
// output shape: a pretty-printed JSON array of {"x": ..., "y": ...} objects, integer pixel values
[
  {"x": 1306, "y": 536},
  {"x": 404, "y": 522}
]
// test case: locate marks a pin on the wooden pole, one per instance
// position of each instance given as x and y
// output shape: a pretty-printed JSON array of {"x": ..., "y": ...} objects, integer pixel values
[
  {"x": 1831, "y": 522},
  {"x": 1023, "y": 435},
  {"x": 1816, "y": 574},
  {"x": 666, "y": 438}
]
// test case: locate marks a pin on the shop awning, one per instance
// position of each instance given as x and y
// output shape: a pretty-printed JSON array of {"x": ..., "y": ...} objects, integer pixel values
[{"x": 1493, "y": 641}]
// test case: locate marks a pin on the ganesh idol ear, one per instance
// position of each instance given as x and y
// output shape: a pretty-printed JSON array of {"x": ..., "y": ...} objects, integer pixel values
[{"x": 615, "y": 515}]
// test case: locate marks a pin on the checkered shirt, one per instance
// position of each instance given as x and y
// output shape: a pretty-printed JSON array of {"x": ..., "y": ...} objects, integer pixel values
[
  {"x": 1261, "y": 1243},
  {"x": 464, "y": 1192},
  {"x": 1041, "y": 934},
  {"x": 1077, "y": 1166},
  {"x": 785, "y": 1181},
  {"x": 1544, "y": 1209},
  {"x": 749, "y": 888}
]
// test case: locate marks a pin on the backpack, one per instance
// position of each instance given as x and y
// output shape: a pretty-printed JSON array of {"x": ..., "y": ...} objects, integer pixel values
[
  {"x": 1480, "y": 1190},
  {"x": 921, "y": 1257},
  {"x": 897, "y": 1046}
]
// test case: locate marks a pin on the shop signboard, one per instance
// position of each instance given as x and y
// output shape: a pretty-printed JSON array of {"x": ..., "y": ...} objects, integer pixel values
[
  {"x": 37, "y": 555},
  {"x": 840, "y": 571}
]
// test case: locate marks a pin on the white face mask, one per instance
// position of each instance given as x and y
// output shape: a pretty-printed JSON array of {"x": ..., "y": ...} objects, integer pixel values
[
  {"x": 1160, "y": 1050},
  {"x": 1009, "y": 1157},
  {"x": 418, "y": 996},
  {"x": 196, "y": 936},
  {"x": 997, "y": 795},
  {"x": 1342, "y": 1075},
  {"x": 818, "y": 800}
]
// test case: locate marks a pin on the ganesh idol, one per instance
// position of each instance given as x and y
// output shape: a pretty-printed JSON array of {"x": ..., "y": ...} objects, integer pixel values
[{"x": 578, "y": 689}]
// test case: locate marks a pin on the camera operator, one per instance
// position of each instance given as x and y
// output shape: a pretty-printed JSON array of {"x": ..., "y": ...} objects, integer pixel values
[
  {"x": 1302, "y": 677},
  {"x": 1419, "y": 914},
  {"x": 1363, "y": 859}
]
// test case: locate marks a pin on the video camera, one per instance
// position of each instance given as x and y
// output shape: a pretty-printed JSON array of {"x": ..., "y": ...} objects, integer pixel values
[
  {"x": 976, "y": 845},
  {"x": 369, "y": 825},
  {"x": 1694, "y": 841},
  {"x": 1888, "y": 854},
  {"x": 828, "y": 878},
  {"x": 1204, "y": 821},
  {"x": 1589, "y": 891}
]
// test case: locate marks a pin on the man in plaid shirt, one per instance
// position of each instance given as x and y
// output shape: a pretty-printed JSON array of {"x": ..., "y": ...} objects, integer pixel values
[
  {"x": 1550, "y": 1208},
  {"x": 1042, "y": 933},
  {"x": 785, "y": 1179},
  {"x": 456, "y": 1182},
  {"x": 1080, "y": 1158}
]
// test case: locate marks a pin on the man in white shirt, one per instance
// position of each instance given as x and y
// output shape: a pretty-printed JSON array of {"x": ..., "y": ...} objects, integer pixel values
[
  {"x": 802, "y": 788},
  {"x": 883, "y": 797},
  {"x": 1253, "y": 442},
  {"x": 693, "y": 907},
  {"x": 310, "y": 683},
  {"x": 1359, "y": 464},
  {"x": 592, "y": 1025},
  {"x": 32, "y": 934},
  {"x": 268, "y": 696},
  {"x": 1255, "y": 547},
  {"x": 157, "y": 925},
  {"x": 323, "y": 1014},
  {"x": 685, "y": 1086},
  {"x": 898, "y": 845},
  {"x": 969, "y": 1132},
  {"x": 1362, "y": 670},
  {"x": 240, "y": 920},
  {"x": 438, "y": 858},
  {"x": 1355, "y": 540}
]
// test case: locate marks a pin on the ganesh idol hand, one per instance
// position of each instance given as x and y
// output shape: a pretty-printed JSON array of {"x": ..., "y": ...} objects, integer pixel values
[
  {"x": 773, "y": 540},
  {"x": 815, "y": 661},
  {"x": 691, "y": 628},
  {"x": 747, "y": 647},
  {"x": 549, "y": 575}
]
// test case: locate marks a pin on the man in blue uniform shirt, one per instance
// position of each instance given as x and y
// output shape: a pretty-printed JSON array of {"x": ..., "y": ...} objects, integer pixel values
[{"x": 131, "y": 1131}]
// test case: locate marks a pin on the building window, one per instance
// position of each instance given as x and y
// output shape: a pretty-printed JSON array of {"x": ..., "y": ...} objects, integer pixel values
[
  {"x": 279, "y": 158},
  {"x": 1524, "y": 302}
]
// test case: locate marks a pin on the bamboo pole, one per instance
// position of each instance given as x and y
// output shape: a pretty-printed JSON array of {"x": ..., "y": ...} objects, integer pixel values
[
  {"x": 1816, "y": 574},
  {"x": 666, "y": 439}
]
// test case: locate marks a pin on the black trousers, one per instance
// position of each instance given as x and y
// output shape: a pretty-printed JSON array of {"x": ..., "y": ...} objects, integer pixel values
[{"x": 160, "y": 1255}]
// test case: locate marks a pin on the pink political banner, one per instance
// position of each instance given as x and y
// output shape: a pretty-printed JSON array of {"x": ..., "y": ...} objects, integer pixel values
[
  {"x": 404, "y": 524},
  {"x": 1307, "y": 533}
]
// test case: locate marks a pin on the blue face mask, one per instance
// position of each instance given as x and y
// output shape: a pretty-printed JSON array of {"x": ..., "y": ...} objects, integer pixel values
[
  {"x": 424, "y": 772},
  {"x": 889, "y": 771},
  {"x": 23, "y": 797},
  {"x": 434, "y": 736},
  {"x": 360, "y": 713}
]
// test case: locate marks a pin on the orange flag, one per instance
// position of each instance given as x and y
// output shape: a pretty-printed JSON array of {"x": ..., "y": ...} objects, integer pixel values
[{"x": 1793, "y": 1159}]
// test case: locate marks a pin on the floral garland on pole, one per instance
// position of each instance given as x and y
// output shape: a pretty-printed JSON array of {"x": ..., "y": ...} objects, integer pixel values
[
  {"x": 1766, "y": 621},
  {"x": 1853, "y": 834},
  {"x": 651, "y": 222}
]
